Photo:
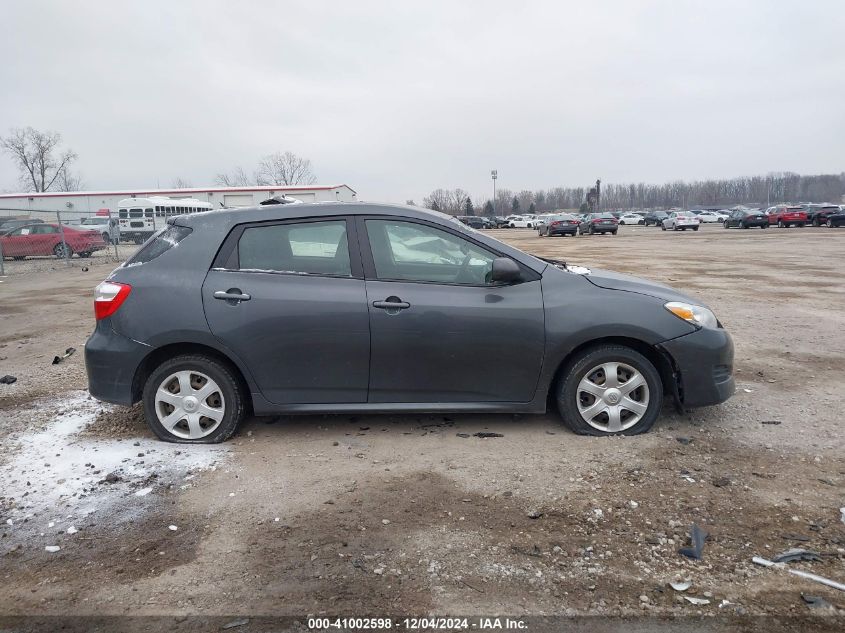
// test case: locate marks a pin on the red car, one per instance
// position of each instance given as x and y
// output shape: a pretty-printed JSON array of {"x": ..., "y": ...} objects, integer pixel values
[
  {"x": 46, "y": 239},
  {"x": 786, "y": 216}
]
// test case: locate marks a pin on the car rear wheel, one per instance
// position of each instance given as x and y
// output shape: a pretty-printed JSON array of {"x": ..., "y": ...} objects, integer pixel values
[
  {"x": 193, "y": 399},
  {"x": 829, "y": 224},
  {"x": 726, "y": 224},
  {"x": 61, "y": 250},
  {"x": 610, "y": 390}
]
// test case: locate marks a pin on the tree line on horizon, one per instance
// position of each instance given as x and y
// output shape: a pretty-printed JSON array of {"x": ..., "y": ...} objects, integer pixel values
[{"x": 750, "y": 191}]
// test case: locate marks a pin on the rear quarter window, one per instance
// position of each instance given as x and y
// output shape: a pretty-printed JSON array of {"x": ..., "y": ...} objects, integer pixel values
[{"x": 161, "y": 243}]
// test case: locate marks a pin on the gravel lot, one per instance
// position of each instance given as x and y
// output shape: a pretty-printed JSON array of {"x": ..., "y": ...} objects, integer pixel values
[{"x": 377, "y": 515}]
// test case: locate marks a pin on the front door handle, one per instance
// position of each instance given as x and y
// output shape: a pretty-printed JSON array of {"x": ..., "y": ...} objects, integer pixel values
[
  {"x": 233, "y": 295},
  {"x": 392, "y": 303}
]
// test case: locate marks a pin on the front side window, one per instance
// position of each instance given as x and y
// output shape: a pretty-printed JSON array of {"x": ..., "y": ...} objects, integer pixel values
[
  {"x": 148, "y": 213},
  {"x": 418, "y": 252},
  {"x": 315, "y": 248}
]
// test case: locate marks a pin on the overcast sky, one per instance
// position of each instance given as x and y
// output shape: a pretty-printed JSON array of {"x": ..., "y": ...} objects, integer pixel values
[{"x": 398, "y": 98}]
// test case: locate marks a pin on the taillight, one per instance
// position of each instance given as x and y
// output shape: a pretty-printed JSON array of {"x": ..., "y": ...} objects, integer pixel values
[
  {"x": 555, "y": 223},
  {"x": 108, "y": 297}
]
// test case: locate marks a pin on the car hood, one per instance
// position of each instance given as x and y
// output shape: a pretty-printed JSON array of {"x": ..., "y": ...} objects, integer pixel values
[{"x": 616, "y": 281}]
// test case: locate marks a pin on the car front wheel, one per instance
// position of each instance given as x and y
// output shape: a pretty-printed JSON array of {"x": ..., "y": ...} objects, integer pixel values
[
  {"x": 610, "y": 390},
  {"x": 193, "y": 399}
]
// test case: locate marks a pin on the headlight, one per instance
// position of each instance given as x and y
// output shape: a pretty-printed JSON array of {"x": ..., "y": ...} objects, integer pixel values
[{"x": 697, "y": 315}]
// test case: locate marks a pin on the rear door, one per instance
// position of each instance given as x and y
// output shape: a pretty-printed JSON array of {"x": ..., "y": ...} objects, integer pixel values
[
  {"x": 289, "y": 299},
  {"x": 441, "y": 331}
]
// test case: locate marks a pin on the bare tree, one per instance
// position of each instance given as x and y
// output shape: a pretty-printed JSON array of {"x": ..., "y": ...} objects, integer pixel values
[
  {"x": 237, "y": 178},
  {"x": 69, "y": 182},
  {"x": 180, "y": 183},
  {"x": 38, "y": 157},
  {"x": 285, "y": 169}
]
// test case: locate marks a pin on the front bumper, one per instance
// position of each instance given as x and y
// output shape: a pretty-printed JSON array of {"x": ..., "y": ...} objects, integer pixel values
[
  {"x": 704, "y": 360},
  {"x": 111, "y": 361}
]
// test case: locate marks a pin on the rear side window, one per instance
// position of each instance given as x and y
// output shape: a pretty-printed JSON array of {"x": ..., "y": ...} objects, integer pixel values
[
  {"x": 161, "y": 243},
  {"x": 315, "y": 248}
]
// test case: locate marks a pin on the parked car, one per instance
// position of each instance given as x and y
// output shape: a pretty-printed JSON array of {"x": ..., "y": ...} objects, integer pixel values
[
  {"x": 631, "y": 218},
  {"x": 14, "y": 223},
  {"x": 837, "y": 219},
  {"x": 817, "y": 213},
  {"x": 499, "y": 221},
  {"x": 712, "y": 216},
  {"x": 46, "y": 239},
  {"x": 560, "y": 224},
  {"x": 681, "y": 221},
  {"x": 522, "y": 222},
  {"x": 655, "y": 218},
  {"x": 785, "y": 216},
  {"x": 353, "y": 308},
  {"x": 746, "y": 218},
  {"x": 108, "y": 227},
  {"x": 598, "y": 223},
  {"x": 476, "y": 221}
]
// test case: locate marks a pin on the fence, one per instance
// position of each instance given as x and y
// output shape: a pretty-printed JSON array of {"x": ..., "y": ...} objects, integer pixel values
[{"x": 39, "y": 240}]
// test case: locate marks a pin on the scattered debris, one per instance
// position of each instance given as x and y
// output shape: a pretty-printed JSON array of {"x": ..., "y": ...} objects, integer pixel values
[
  {"x": 698, "y": 601},
  {"x": 462, "y": 434},
  {"x": 533, "y": 513},
  {"x": 634, "y": 505},
  {"x": 72, "y": 530},
  {"x": 111, "y": 478},
  {"x": 52, "y": 548},
  {"x": 143, "y": 492},
  {"x": 795, "y": 537},
  {"x": 797, "y": 572},
  {"x": 774, "y": 422},
  {"x": 794, "y": 554},
  {"x": 68, "y": 352},
  {"x": 8, "y": 379},
  {"x": 842, "y": 518},
  {"x": 747, "y": 390},
  {"x": 487, "y": 434},
  {"x": 680, "y": 586},
  {"x": 684, "y": 440},
  {"x": 697, "y": 538},
  {"x": 385, "y": 521},
  {"x": 172, "y": 528},
  {"x": 721, "y": 482},
  {"x": 816, "y": 602},
  {"x": 235, "y": 623}
]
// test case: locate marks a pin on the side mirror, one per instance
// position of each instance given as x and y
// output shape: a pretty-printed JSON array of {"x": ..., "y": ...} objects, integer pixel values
[{"x": 505, "y": 270}]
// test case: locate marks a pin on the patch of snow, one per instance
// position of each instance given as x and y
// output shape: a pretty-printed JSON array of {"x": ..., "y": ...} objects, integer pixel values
[
  {"x": 143, "y": 492},
  {"x": 56, "y": 472},
  {"x": 52, "y": 548}
]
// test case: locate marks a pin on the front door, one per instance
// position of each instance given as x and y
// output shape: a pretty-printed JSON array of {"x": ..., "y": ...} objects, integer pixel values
[
  {"x": 441, "y": 331},
  {"x": 289, "y": 301}
]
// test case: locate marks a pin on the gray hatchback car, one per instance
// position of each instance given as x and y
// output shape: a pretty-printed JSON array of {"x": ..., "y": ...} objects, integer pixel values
[{"x": 341, "y": 308}]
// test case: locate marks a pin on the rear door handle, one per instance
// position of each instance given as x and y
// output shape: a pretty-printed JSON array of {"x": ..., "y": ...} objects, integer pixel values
[
  {"x": 232, "y": 294},
  {"x": 391, "y": 305}
]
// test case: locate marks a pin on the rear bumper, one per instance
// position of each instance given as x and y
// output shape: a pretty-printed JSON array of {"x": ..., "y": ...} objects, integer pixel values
[
  {"x": 560, "y": 231},
  {"x": 704, "y": 360},
  {"x": 111, "y": 361}
]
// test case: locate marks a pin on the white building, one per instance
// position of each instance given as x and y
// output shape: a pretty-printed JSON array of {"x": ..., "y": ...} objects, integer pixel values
[{"x": 90, "y": 202}]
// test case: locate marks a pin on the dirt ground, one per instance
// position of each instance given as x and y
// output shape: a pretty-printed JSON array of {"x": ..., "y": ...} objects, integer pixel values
[{"x": 378, "y": 515}]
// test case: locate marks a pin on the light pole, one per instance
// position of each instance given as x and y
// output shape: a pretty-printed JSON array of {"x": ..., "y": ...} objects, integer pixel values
[{"x": 494, "y": 174}]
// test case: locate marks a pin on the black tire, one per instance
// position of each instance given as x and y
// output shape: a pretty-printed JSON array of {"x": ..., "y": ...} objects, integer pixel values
[
  {"x": 695, "y": 228},
  {"x": 614, "y": 232},
  {"x": 59, "y": 250},
  {"x": 84, "y": 254},
  {"x": 815, "y": 222},
  {"x": 577, "y": 368},
  {"x": 829, "y": 224},
  {"x": 726, "y": 224},
  {"x": 764, "y": 226},
  {"x": 235, "y": 409},
  {"x": 744, "y": 225}
]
